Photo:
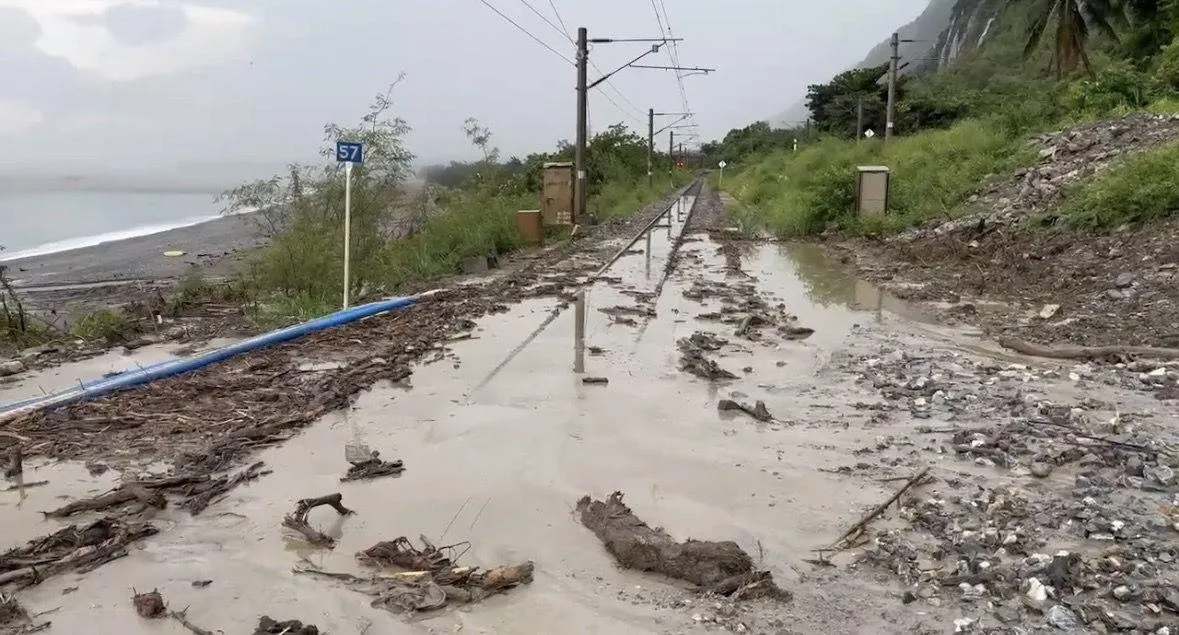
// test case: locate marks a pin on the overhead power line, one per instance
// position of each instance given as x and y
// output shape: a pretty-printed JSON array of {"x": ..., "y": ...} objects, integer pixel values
[
  {"x": 526, "y": 32},
  {"x": 547, "y": 20},
  {"x": 565, "y": 29}
]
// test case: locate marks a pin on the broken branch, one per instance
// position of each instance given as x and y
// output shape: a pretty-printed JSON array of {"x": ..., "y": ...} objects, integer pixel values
[{"x": 1086, "y": 352}]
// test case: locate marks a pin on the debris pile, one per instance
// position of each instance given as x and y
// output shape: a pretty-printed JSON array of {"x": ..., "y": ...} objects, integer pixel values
[
  {"x": 270, "y": 626},
  {"x": 1065, "y": 158},
  {"x": 372, "y": 467},
  {"x": 722, "y": 568},
  {"x": 694, "y": 361},
  {"x": 15, "y": 620},
  {"x": 80, "y": 548},
  {"x": 425, "y": 580}
]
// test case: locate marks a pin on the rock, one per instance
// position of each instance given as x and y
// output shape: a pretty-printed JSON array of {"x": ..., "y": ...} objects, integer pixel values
[
  {"x": 1063, "y": 618},
  {"x": 11, "y": 367},
  {"x": 1036, "y": 591},
  {"x": 1124, "y": 280},
  {"x": 1122, "y": 593},
  {"x": 1160, "y": 474},
  {"x": 1041, "y": 469},
  {"x": 1048, "y": 310},
  {"x": 1114, "y": 294}
]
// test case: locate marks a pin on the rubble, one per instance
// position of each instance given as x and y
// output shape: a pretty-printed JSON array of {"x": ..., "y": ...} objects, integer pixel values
[
  {"x": 1065, "y": 158},
  {"x": 15, "y": 620}
]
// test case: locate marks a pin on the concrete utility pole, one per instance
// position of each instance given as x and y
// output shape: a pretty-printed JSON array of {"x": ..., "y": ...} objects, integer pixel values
[
  {"x": 671, "y": 153},
  {"x": 650, "y": 142},
  {"x": 860, "y": 118},
  {"x": 579, "y": 168},
  {"x": 892, "y": 84}
]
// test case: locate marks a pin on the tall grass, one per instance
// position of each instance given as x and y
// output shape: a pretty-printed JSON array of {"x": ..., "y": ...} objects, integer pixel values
[
  {"x": 813, "y": 190},
  {"x": 1142, "y": 188}
]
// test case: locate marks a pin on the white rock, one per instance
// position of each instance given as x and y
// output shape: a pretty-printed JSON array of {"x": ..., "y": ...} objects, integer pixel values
[
  {"x": 11, "y": 367},
  {"x": 1036, "y": 590}
]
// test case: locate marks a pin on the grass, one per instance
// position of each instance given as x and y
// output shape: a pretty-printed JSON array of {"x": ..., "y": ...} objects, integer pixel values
[
  {"x": 1140, "y": 189},
  {"x": 105, "y": 325},
  {"x": 620, "y": 199},
  {"x": 933, "y": 173}
]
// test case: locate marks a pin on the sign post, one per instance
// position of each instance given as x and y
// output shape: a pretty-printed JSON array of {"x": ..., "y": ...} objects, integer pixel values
[
  {"x": 349, "y": 153},
  {"x": 721, "y": 180}
]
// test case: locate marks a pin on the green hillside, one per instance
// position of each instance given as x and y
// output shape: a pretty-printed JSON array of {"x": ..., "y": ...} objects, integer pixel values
[{"x": 1002, "y": 70}]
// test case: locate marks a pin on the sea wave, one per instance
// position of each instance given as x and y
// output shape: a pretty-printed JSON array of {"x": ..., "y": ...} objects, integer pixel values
[{"x": 81, "y": 242}]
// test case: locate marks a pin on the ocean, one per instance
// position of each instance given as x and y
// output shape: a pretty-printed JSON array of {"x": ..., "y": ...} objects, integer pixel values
[{"x": 34, "y": 223}]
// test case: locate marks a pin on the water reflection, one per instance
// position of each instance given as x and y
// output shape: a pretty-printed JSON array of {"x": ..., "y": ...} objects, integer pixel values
[{"x": 828, "y": 282}]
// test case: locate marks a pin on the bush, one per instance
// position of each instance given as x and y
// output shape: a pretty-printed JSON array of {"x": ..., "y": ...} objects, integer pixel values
[
  {"x": 1116, "y": 86},
  {"x": 932, "y": 174},
  {"x": 1140, "y": 189}
]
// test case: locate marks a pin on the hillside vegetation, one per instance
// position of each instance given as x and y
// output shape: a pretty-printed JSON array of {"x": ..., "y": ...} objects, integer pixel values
[{"x": 1039, "y": 66}]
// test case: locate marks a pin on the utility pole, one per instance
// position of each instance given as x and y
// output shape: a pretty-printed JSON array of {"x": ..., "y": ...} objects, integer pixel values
[
  {"x": 859, "y": 118},
  {"x": 650, "y": 142},
  {"x": 892, "y": 84},
  {"x": 579, "y": 167},
  {"x": 671, "y": 153}
]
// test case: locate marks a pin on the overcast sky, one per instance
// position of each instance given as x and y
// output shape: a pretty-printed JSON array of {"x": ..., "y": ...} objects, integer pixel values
[{"x": 134, "y": 84}]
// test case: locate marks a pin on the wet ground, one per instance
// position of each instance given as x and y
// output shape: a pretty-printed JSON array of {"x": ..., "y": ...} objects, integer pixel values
[{"x": 500, "y": 438}]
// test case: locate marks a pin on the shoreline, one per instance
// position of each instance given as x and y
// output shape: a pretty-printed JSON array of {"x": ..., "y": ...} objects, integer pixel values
[{"x": 115, "y": 272}]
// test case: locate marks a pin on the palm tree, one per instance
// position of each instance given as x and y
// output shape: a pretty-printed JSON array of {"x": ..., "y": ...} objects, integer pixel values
[{"x": 1075, "y": 19}]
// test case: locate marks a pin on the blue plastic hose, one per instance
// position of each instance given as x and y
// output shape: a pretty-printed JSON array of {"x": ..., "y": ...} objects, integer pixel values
[{"x": 148, "y": 374}]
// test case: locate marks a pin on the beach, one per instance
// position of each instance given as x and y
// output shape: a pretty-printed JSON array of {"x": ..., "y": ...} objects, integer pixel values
[{"x": 119, "y": 271}]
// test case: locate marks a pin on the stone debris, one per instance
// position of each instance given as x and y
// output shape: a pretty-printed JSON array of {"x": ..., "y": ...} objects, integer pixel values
[{"x": 1066, "y": 158}]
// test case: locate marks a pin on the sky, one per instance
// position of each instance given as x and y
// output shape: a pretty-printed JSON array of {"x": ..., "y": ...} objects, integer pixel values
[{"x": 135, "y": 85}]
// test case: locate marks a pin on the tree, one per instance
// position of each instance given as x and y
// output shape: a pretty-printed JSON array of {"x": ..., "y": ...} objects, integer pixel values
[
  {"x": 303, "y": 209},
  {"x": 1075, "y": 20},
  {"x": 834, "y": 106}
]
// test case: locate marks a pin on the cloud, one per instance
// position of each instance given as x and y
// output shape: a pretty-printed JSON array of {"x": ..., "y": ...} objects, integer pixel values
[
  {"x": 17, "y": 116},
  {"x": 126, "y": 40}
]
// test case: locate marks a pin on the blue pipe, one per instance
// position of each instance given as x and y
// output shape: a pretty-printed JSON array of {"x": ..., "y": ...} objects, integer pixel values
[{"x": 148, "y": 374}]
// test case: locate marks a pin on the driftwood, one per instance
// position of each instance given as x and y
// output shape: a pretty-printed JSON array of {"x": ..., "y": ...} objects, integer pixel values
[
  {"x": 79, "y": 548},
  {"x": 269, "y": 626},
  {"x": 401, "y": 553},
  {"x": 721, "y": 567},
  {"x": 411, "y": 591},
  {"x": 181, "y": 617},
  {"x": 373, "y": 467},
  {"x": 201, "y": 493},
  {"x": 297, "y": 520},
  {"x": 125, "y": 493},
  {"x": 757, "y": 411},
  {"x": 15, "y": 620},
  {"x": 197, "y": 492},
  {"x": 1087, "y": 352},
  {"x": 857, "y": 529}
]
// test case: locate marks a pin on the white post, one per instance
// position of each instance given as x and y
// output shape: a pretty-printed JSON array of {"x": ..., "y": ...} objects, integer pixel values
[
  {"x": 721, "y": 179},
  {"x": 347, "y": 227},
  {"x": 579, "y": 333}
]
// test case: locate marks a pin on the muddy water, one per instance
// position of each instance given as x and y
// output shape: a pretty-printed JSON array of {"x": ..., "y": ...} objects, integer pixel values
[{"x": 499, "y": 457}]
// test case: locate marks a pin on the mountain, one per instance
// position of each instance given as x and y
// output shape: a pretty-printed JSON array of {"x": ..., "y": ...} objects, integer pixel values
[{"x": 942, "y": 32}]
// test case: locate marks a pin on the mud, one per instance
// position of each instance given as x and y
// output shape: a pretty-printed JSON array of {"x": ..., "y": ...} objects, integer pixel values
[
  {"x": 722, "y": 568},
  {"x": 502, "y": 439}
]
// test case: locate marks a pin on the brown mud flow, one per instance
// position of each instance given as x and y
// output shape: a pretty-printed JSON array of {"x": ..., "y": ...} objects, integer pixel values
[{"x": 1048, "y": 502}]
